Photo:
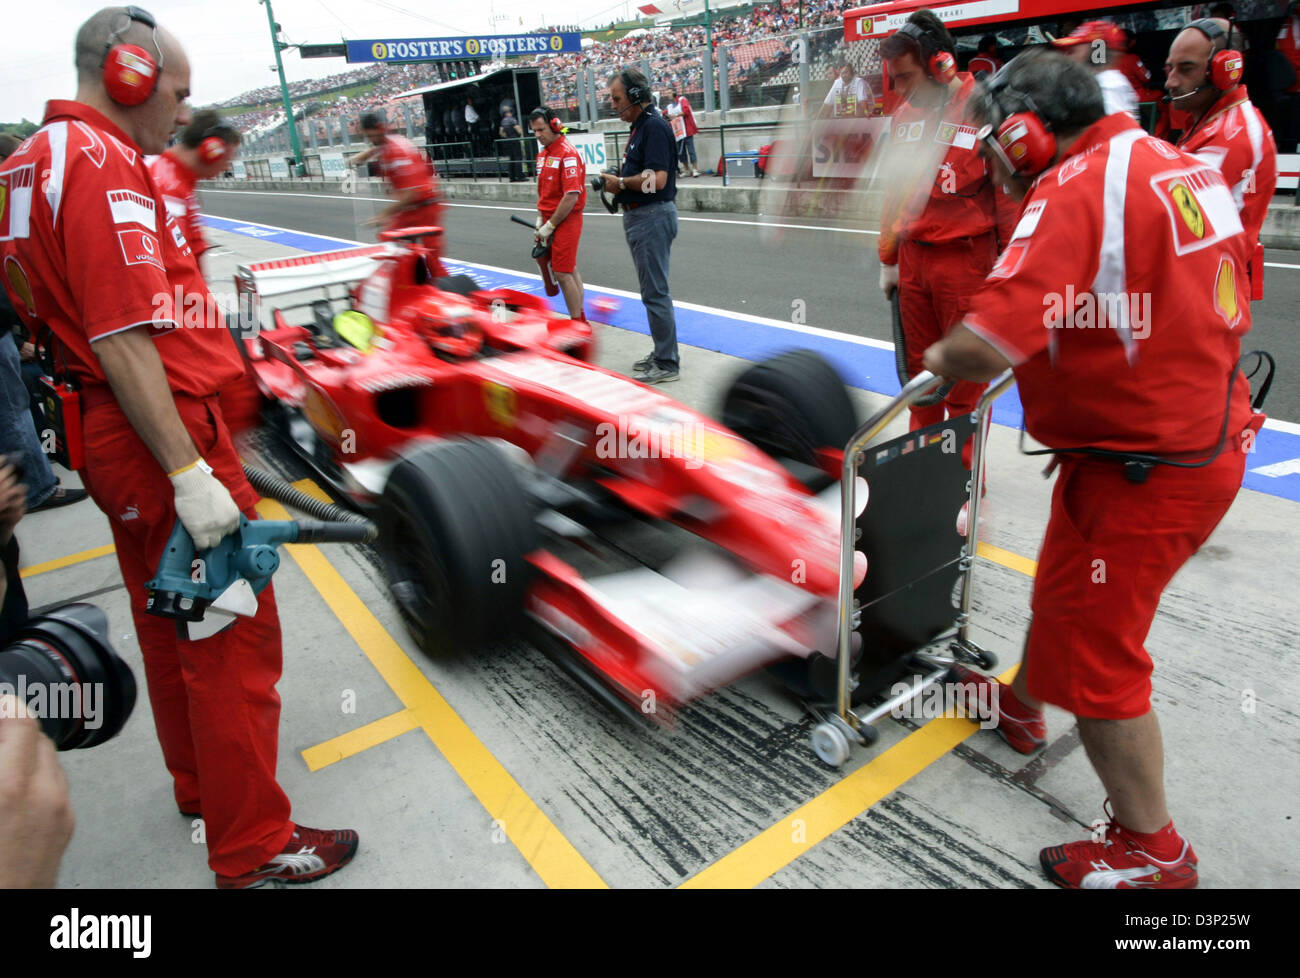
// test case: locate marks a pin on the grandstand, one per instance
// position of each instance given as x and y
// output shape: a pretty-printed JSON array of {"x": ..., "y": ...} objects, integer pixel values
[{"x": 758, "y": 39}]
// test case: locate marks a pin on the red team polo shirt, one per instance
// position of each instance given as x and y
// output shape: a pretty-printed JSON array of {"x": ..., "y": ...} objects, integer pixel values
[
  {"x": 560, "y": 170},
  {"x": 1122, "y": 298},
  {"x": 176, "y": 182},
  {"x": 961, "y": 205},
  {"x": 89, "y": 249},
  {"x": 1234, "y": 139},
  {"x": 403, "y": 166}
]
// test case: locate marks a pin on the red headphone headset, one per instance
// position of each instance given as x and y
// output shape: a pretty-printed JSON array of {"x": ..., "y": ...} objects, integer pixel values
[
  {"x": 940, "y": 66},
  {"x": 555, "y": 124},
  {"x": 1225, "y": 67},
  {"x": 213, "y": 149},
  {"x": 130, "y": 72},
  {"x": 1023, "y": 140}
]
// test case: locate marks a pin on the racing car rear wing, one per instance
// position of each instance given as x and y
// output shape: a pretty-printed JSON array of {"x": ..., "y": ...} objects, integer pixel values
[{"x": 304, "y": 272}]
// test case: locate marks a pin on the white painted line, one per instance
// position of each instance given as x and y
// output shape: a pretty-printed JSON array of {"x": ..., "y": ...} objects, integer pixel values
[
  {"x": 279, "y": 193},
  {"x": 523, "y": 206},
  {"x": 711, "y": 310}
]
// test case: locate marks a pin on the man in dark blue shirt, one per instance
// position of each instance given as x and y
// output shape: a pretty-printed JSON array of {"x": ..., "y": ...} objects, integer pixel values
[{"x": 645, "y": 187}]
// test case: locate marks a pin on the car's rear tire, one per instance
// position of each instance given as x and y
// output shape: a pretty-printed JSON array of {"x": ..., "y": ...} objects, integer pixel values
[
  {"x": 454, "y": 528},
  {"x": 790, "y": 406}
]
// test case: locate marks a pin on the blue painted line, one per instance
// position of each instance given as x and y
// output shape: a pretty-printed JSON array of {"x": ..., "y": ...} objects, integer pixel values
[{"x": 870, "y": 368}]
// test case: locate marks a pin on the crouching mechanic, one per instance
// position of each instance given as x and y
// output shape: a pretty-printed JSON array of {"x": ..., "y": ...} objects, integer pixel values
[
  {"x": 411, "y": 180},
  {"x": 1142, "y": 365},
  {"x": 206, "y": 149},
  {"x": 98, "y": 251},
  {"x": 561, "y": 196}
]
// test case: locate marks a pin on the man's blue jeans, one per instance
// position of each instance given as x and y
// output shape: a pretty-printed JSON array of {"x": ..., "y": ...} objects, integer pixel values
[
  {"x": 687, "y": 148},
  {"x": 18, "y": 441},
  {"x": 650, "y": 231}
]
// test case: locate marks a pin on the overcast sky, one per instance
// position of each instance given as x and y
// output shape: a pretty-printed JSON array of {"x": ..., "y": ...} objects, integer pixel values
[{"x": 229, "y": 43}]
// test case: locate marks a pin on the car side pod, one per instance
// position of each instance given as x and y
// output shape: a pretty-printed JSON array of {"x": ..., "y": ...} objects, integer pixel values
[{"x": 906, "y": 606}]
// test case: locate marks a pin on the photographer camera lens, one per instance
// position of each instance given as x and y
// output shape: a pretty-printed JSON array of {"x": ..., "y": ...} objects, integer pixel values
[{"x": 62, "y": 666}]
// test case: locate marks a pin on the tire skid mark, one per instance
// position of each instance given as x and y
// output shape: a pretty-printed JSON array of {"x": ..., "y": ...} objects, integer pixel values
[{"x": 914, "y": 840}]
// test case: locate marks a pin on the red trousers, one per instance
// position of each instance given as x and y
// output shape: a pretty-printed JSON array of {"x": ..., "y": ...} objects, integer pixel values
[
  {"x": 936, "y": 283},
  {"x": 1110, "y": 549},
  {"x": 214, "y": 701}
]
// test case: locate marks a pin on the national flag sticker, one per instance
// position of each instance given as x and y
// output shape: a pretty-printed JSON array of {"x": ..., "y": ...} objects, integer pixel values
[{"x": 139, "y": 248}]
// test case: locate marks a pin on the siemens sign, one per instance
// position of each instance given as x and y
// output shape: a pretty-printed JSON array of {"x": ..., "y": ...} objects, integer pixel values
[
  {"x": 592, "y": 147},
  {"x": 453, "y": 48}
]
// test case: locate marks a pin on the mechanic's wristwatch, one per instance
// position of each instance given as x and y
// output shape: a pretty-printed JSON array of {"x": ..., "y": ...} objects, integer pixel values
[{"x": 621, "y": 184}]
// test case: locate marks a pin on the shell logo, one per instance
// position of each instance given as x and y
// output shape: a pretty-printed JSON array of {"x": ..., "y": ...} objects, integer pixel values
[
  {"x": 17, "y": 277},
  {"x": 1226, "y": 303}
]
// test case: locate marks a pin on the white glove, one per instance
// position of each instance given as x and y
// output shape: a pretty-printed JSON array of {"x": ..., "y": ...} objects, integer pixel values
[
  {"x": 544, "y": 232},
  {"x": 889, "y": 280},
  {"x": 203, "y": 504},
  {"x": 538, "y": 223}
]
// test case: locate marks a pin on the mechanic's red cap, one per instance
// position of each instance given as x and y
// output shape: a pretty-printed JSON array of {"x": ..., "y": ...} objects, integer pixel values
[{"x": 1094, "y": 30}]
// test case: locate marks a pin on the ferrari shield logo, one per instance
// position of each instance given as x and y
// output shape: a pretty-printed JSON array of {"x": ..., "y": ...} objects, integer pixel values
[
  {"x": 499, "y": 402},
  {"x": 1188, "y": 209}
]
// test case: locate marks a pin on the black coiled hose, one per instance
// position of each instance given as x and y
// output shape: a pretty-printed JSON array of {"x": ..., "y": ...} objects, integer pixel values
[{"x": 276, "y": 488}]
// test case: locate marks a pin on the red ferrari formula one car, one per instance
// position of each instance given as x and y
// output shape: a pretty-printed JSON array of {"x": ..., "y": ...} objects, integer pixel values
[{"x": 512, "y": 477}]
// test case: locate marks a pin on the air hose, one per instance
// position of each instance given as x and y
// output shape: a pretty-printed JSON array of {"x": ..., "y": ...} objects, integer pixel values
[{"x": 276, "y": 488}]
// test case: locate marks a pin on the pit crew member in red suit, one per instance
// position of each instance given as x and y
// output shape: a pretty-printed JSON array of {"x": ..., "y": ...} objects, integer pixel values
[
  {"x": 938, "y": 238},
  {"x": 414, "y": 185},
  {"x": 205, "y": 149},
  {"x": 1135, "y": 255},
  {"x": 1224, "y": 128},
  {"x": 86, "y": 233},
  {"x": 561, "y": 196}
]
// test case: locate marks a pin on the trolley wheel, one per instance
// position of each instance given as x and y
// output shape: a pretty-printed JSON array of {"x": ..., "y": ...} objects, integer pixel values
[
  {"x": 987, "y": 661},
  {"x": 868, "y": 733},
  {"x": 829, "y": 744}
]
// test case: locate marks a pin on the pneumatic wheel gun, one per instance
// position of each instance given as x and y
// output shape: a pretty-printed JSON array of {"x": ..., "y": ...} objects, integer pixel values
[{"x": 205, "y": 591}]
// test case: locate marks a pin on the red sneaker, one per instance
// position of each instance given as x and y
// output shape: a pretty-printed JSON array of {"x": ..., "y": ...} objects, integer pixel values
[
  {"x": 1119, "y": 862},
  {"x": 309, "y": 855},
  {"x": 1023, "y": 729}
]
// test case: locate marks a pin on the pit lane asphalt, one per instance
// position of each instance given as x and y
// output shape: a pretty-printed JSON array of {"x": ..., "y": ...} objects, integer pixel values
[{"x": 728, "y": 261}]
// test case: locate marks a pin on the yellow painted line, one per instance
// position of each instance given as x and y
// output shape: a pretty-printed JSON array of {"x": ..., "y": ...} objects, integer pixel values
[
  {"x": 68, "y": 561},
  {"x": 787, "y": 840},
  {"x": 1007, "y": 559},
  {"x": 551, "y": 855},
  {"x": 355, "y": 741},
  {"x": 834, "y": 808}
]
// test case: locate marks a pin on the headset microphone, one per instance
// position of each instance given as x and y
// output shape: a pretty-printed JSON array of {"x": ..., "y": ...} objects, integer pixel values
[{"x": 1178, "y": 98}]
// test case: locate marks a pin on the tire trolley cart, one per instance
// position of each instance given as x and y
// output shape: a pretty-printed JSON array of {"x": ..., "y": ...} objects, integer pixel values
[{"x": 917, "y": 592}]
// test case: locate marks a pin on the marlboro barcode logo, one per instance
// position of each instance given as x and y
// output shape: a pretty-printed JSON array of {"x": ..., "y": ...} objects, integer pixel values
[{"x": 129, "y": 207}]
